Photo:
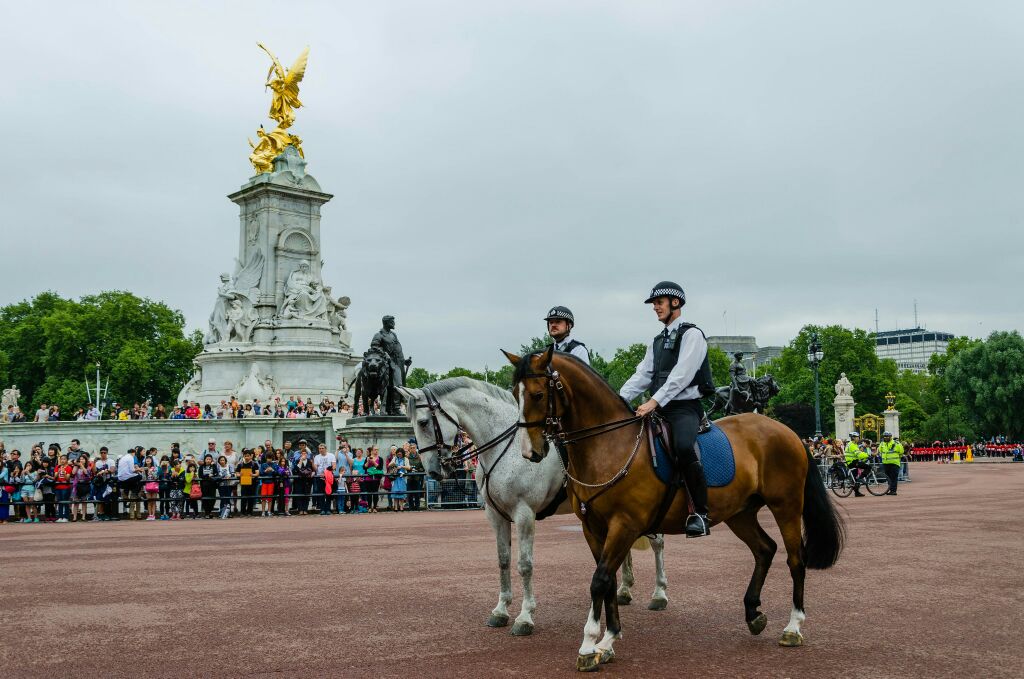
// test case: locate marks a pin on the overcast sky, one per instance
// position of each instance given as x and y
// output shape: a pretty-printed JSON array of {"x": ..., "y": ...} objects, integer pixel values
[{"x": 786, "y": 162}]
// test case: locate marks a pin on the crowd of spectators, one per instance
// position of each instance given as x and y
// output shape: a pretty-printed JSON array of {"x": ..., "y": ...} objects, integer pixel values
[
  {"x": 73, "y": 485},
  {"x": 827, "y": 450},
  {"x": 281, "y": 407}
]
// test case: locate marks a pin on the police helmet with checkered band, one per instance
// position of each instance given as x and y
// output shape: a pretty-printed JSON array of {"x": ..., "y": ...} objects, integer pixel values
[
  {"x": 560, "y": 313},
  {"x": 667, "y": 289}
]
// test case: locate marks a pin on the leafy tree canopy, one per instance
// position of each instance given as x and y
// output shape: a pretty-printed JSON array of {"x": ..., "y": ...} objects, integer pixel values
[{"x": 49, "y": 345}]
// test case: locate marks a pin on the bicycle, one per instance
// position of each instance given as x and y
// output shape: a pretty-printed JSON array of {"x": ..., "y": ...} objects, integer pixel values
[{"x": 839, "y": 479}]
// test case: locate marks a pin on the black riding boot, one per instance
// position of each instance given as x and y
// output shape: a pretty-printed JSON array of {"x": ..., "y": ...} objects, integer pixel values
[{"x": 697, "y": 524}]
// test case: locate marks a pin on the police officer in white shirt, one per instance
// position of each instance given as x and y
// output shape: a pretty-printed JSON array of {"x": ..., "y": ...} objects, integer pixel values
[
  {"x": 560, "y": 323},
  {"x": 676, "y": 370}
]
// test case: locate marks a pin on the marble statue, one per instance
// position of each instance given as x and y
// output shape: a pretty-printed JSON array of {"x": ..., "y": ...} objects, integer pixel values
[
  {"x": 337, "y": 311},
  {"x": 386, "y": 342},
  {"x": 234, "y": 316},
  {"x": 844, "y": 387},
  {"x": 10, "y": 398},
  {"x": 254, "y": 386},
  {"x": 304, "y": 297}
]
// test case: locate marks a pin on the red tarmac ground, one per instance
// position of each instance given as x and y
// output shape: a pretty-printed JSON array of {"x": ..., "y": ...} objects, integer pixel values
[{"x": 930, "y": 585}]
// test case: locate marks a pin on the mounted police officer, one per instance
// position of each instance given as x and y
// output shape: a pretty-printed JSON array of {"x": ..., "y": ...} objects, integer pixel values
[
  {"x": 891, "y": 452},
  {"x": 675, "y": 369},
  {"x": 856, "y": 459},
  {"x": 560, "y": 323}
]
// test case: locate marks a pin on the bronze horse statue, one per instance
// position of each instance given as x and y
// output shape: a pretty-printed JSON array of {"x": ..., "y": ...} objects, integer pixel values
[
  {"x": 372, "y": 381},
  {"x": 618, "y": 497},
  {"x": 732, "y": 401}
]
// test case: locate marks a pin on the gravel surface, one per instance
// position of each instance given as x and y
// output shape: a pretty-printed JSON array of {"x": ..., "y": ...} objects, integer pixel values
[{"x": 930, "y": 585}]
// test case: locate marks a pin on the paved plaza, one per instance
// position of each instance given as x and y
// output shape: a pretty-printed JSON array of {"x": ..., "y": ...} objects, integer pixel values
[{"x": 929, "y": 586}]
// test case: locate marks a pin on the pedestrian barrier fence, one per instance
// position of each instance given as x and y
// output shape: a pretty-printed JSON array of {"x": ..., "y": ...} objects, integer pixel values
[{"x": 305, "y": 493}]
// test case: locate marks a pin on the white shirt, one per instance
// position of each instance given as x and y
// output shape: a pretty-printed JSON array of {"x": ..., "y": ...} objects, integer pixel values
[
  {"x": 692, "y": 350},
  {"x": 126, "y": 467},
  {"x": 322, "y": 462},
  {"x": 578, "y": 351}
]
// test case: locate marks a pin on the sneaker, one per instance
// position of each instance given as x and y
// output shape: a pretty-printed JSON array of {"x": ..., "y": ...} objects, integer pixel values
[
  {"x": 36, "y": 520},
  {"x": 150, "y": 518},
  {"x": 164, "y": 517}
]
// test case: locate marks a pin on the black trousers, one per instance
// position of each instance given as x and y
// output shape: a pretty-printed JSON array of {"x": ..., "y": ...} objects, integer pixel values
[
  {"x": 248, "y": 494},
  {"x": 684, "y": 419},
  {"x": 892, "y": 472}
]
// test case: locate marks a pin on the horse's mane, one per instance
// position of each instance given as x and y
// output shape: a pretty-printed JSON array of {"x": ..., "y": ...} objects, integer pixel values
[
  {"x": 523, "y": 367},
  {"x": 450, "y": 384}
]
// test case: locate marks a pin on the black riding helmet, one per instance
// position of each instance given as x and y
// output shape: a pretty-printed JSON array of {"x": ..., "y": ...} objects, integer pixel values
[
  {"x": 667, "y": 289},
  {"x": 561, "y": 312}
]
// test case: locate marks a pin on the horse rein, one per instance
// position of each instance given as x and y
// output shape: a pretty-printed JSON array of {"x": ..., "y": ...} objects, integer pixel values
[
  {"x": 555, "y": 433},
  {"x": 458, "y": 456}
]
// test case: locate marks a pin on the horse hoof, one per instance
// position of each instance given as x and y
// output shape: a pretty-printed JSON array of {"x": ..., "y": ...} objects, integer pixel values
[
  {"x": 497, "y": 620},
  {"x": 791, "y": 639},
  {"x": 590, "y": 662},
  {"x": 758, "y": 624},
  {"x": 607, "y": 656},
  {"x": 657, "y": 605},
  {"x": 522, "y": 629},
  {"x": 624, "y": 598}
]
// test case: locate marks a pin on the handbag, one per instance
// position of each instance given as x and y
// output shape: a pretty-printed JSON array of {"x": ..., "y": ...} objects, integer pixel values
[
  {"x": 196, "y": 492},
  {"x": 38, "y": 495},
  {"x": 152, "y": 487}
]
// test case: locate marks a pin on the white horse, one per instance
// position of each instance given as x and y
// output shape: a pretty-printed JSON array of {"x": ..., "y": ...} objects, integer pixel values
[{"x": 512, "y": 486}]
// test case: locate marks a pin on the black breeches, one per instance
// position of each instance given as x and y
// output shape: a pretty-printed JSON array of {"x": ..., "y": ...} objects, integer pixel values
[{"x": 684, "y": 419}]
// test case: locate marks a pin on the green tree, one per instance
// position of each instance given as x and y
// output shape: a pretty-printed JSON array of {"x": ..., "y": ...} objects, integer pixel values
[
  {"x": 987, "y": 379},
  {"x": 419, "y": 377},
  {"x": 720, "y": 363},
  {"x": 845, "y": 350},
  {"x": 50, "y": 344}
]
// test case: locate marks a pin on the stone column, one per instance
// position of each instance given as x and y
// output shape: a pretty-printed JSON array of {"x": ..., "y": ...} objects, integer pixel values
[
  {"x": 844, "y": 406},
  {"x": 892, "y": 422}
]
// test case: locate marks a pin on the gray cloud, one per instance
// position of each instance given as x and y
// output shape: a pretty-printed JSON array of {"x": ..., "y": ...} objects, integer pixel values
[{"x": 788, "y": 162}]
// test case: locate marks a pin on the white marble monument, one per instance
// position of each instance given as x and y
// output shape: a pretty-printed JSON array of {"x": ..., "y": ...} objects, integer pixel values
[
  {"x": 275, "y": 329},
  {"x": 844, "y": 406}
]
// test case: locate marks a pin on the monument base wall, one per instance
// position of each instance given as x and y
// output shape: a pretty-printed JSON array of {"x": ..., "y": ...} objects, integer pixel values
[
  {"x": 191, "y": 435},
  {"x": 382, "y": 431}
]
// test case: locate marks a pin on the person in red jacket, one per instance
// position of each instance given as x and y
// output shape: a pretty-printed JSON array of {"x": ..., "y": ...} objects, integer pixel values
[
  {"x": 62, "y": 488},
  {"x": 192, "y": 412}
]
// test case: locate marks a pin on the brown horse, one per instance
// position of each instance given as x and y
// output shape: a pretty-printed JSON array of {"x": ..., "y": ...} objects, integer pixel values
[{"x": 618, "y": 497}]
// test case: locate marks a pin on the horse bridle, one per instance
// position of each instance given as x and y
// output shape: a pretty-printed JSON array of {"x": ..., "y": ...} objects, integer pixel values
[
  {"x": 435, "y": 407},
  {"x": 449, "y": 455},
  {"x": 554, "y": 431}
]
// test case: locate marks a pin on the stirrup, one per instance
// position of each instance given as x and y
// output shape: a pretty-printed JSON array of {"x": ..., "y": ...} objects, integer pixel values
[{"x": 697, "y": 525}]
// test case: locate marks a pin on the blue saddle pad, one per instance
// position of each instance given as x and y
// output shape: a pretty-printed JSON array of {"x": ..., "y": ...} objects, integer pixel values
[{"x": 715, "y": 455}]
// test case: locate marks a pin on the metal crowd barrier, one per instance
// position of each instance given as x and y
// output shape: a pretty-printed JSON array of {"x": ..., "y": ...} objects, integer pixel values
[{"x": 421, "y": 492}]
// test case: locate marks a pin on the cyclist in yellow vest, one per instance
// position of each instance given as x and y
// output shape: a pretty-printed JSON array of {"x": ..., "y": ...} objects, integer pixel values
[
  {"x": 855, "y": 461},
  {"x": 892, "y": 452}
]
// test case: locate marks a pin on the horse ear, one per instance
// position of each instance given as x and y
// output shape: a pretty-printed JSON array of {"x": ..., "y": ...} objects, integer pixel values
[
  {"x": 512, "y": 358},
  {"x": 545, "y": 359}
]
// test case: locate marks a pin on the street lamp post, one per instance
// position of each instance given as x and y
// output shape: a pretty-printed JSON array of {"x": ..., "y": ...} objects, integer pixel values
[
  {"x": 814, "y": 356},
  {"x": 947, "y": 420}
]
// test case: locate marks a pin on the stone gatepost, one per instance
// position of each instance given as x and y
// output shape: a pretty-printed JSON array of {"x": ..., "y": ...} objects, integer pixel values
[{"x": 844, "y": 406}]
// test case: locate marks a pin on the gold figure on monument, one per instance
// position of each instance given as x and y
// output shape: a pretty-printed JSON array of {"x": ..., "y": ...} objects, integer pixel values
[{"x": 285, "y": 100}]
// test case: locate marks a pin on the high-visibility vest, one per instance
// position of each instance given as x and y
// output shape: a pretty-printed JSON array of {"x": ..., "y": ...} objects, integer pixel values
[
  {"x": 853, "y": 452},
  {"x": 890, "y": 451}
]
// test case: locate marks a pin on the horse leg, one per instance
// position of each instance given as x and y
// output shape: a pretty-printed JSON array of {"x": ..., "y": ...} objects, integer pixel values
[
  {"x": 659, "y": 600},
  {"x": 624, "y": 596},
  {"x": 788, "y": 516},
  {"x": 746, "y": 528},
  {"x": 503, "y": 536},
  {"x": 525, "y": 525},
  {"x": 609, "y": 555}
]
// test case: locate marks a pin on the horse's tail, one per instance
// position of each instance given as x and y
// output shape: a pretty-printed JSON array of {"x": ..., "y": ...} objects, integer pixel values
[{"x": 824, "y": 531}]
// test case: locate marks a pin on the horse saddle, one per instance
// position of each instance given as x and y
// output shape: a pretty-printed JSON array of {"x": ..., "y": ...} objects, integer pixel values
[{"x": 712, "y": 447}]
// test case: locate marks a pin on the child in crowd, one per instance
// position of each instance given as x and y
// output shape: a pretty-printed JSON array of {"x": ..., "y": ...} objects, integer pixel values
[
  {"x": 81, "y": 486},
  {"x": 150, "y": 486},
  {"x": 176, "y": 484},
  {"x": 30, "y": 494}
]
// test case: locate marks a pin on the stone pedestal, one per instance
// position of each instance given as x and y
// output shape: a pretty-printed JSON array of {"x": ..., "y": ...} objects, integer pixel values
[
  {"x": 275, "y": 329},
  {"x": 377, "y": 430},
  {"x": 844, "y": 407},
  {"x": 892, "y": 422}
]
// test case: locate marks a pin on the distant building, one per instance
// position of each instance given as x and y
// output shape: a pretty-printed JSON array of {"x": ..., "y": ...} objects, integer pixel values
[
  {"x": 911, "y": 348},
  {"x": 753, "y": 356}
]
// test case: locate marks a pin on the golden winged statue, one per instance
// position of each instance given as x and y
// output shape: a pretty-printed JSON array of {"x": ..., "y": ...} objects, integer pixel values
[{"x": 285, "y": 87}]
